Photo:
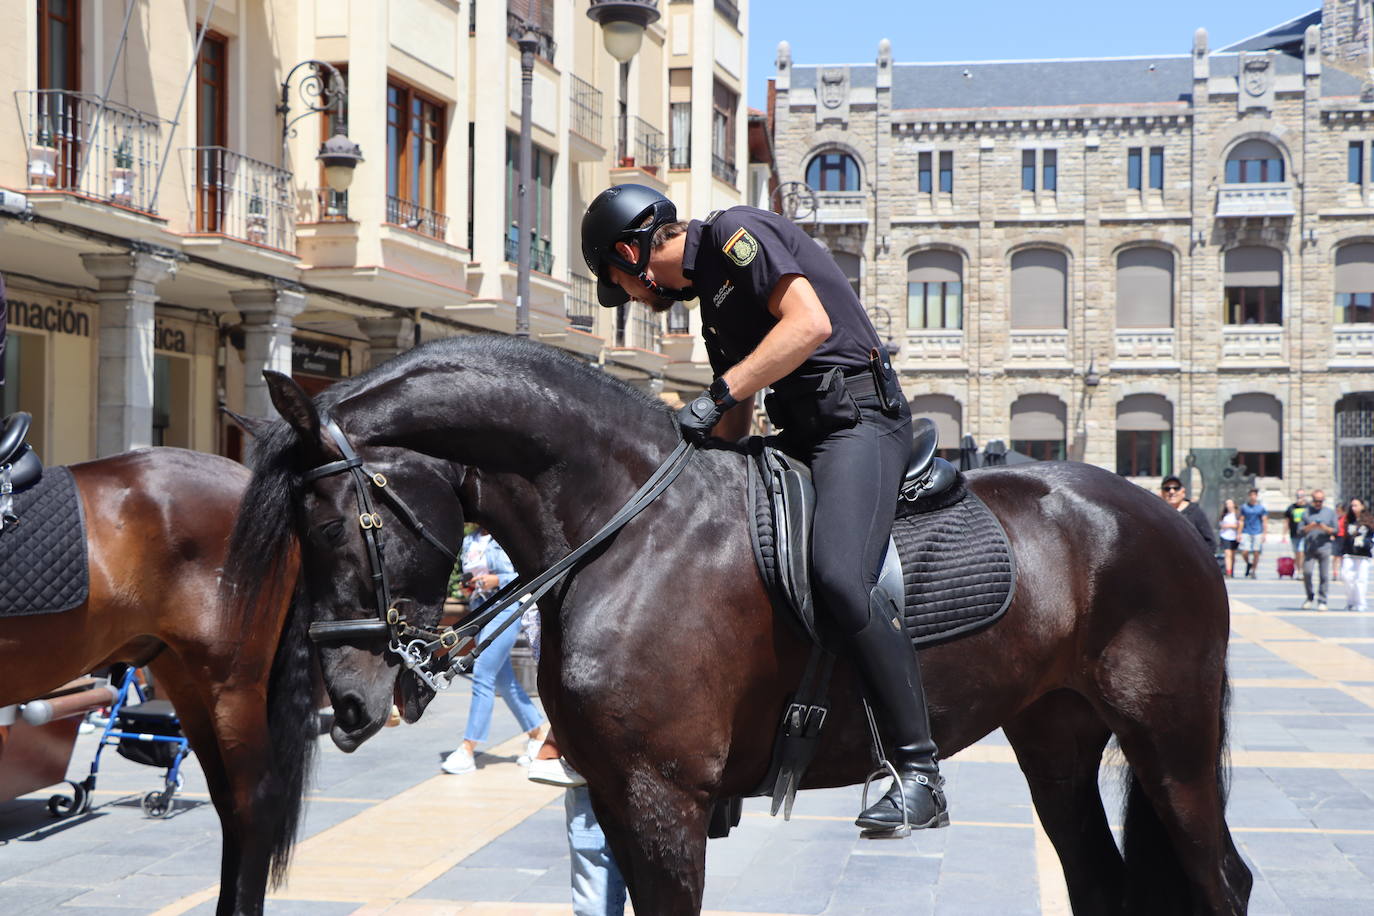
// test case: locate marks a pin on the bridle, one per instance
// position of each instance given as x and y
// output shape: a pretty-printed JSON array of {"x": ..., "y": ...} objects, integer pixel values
[{"x": 416, "y": 645}]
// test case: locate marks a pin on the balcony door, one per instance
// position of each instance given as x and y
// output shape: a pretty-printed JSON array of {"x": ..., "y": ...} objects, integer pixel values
[
  {"x": 213, "y": 181},
  {"x": 56, "y": 121}
]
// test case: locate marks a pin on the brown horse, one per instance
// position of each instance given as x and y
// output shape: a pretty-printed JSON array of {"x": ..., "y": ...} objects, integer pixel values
[
  {"x": 664, "y": 669},
  {"x": 157, "y": 525}
]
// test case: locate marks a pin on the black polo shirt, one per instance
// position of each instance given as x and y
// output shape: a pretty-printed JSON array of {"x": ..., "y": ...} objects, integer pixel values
[{"x": 735, "y": 262}]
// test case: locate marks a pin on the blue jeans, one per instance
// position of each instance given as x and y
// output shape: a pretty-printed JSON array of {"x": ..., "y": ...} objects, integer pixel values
[
  {"x": 597, "y": 886},
  {"x": 494, "y": 674}
]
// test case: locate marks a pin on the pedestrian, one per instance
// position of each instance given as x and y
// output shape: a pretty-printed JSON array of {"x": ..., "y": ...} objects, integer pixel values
[
  {"x": 486, "y": 568},
  {"x": 1358, "y": 546},
  {"x": 1229, "y": 533},
  {"x": 1172, "y": 492},
  {"x": 778, "y": 312},
  {"x": 1294, "y": 513},
  {"x": 1252, "y": 532},
  {"x": 1338, "y": 542},
  {"x": 1319, "y": 527}
]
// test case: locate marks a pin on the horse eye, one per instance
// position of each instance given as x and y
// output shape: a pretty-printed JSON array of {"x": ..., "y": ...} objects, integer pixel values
[{"x": 331, "y": 531}]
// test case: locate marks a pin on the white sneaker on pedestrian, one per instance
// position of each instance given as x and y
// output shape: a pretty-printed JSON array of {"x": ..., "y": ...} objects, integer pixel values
[
  {"x": 1307, "y": 605},
  {"x": 532, "y": 747},
  {"x": 459, "y": 762},
  {"x": 555, "y": 772},
  {"x": 1321, "y": 606}
]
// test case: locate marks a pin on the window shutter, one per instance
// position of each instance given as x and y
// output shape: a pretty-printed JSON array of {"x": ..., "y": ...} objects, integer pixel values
[
  {"x": 1254, "y": 266},
  {"x": 1145, "y": 288},
  {"x": 1145, "y": 412},
  {"x": 1038, "y": 416},
  {"x": 934, "y": 267},
  {"x": 946, "y": 413},
  {"x": 1355, "y": 268},
  {"x": 1039, "y": 289},
  {"x": 1252, "y": 423}
]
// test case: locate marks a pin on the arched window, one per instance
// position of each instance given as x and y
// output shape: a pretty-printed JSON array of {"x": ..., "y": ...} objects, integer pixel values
[
  {"x": 1254, "y": 285},
  {"x": 1039, "y": 289},
  {"x": 1252, "y": 424},
  {"x": 833, "y": 171},
  {"x": 1354, "y": 445},
  {"x": 935, "y": 290},
  {"x": 1145, "y": 288},
  {"x": 1144, "y": 436},
  {"x": 849, "y": 265},
  {"x": 1355, "y": 283},
  {"x": 1254, "y": 162},
  {"x": 948, "y": 417},
  {"x": 1038, "y": 424}
]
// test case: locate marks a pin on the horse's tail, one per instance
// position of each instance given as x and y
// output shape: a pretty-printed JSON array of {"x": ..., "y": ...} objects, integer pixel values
[
  {"x": 1155, "y": 880},
  {"x": 294, "y": 728}
]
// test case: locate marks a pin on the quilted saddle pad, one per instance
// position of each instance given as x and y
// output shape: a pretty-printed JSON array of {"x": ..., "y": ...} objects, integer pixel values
[{"x": 43, "y": 567}]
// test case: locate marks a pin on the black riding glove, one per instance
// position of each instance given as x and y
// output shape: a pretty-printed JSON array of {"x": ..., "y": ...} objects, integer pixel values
[{"x": 704, "y": 411}]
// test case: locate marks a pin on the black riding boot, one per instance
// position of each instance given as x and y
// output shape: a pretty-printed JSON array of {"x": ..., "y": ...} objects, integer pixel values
[{"x": 892, "y": 676}]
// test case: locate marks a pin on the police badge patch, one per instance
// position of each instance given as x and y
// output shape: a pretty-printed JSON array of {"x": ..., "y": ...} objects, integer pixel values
[{"x": 741, "y": 248}]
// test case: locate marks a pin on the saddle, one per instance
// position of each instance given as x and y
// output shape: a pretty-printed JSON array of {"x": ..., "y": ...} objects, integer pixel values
[{"x": 20, "y": 468}]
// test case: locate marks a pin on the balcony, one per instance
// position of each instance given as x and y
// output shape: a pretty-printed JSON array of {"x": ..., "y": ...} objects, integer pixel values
[
  {"x": 842, "y": 207},
  {"x": 582, "y": 303},
  {"x": 242, "y": 198},
  {"x": 1354, "y": 343},
  {"x": 1149, "y": 344},
  {"x": 927, "y": 346},
  {"x": 1262, "y": 343},
  {"x": 584, "y": 113},
  {"x": 1255, "y": 200},
  {"x": 103, "y": 151},
  {"x": 541, "y": 252},
  {"x": 1048, "y": 345},
  {"x": 723, "y": 169},
  {"x": 416, "y": 218},
  {"x": 638, "y": 327},
  {"x": 646, "y": 146}
]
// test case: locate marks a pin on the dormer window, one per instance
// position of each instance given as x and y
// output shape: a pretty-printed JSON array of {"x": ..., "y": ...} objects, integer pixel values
[{"x": 1254, "y": 162}]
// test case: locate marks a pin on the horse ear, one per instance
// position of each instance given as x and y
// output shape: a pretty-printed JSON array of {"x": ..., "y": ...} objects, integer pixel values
[
  {"x": 293, "y": 404},
  {"x": 253, "y": 426}
]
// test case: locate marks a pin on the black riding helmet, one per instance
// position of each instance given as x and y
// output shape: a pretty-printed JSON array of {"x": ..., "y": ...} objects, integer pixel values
[{"x": 618, "y": 214}]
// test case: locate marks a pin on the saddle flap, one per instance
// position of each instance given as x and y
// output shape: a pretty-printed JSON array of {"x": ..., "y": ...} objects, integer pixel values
[{"x": 794, "y": 500}]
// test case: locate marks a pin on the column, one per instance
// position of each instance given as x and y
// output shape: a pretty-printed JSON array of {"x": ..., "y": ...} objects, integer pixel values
[
  {"x": 387, "y": 337},
  {"x": 267, "y": 326},
  {"x": 127, "y": 283}
]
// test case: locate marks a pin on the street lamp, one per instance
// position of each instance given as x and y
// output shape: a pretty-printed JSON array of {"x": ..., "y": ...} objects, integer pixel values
[
  {"x": 321, "y": 89},
  {"x": 622, "y": 31},
  {"x": 527, "y": 38}
]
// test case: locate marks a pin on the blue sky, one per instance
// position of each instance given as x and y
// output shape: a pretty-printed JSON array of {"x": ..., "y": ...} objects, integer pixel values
[{"x": 848, "y": 31}]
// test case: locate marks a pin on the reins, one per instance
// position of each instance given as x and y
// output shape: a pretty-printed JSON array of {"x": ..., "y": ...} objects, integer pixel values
[{"x": 416, "y": 645}]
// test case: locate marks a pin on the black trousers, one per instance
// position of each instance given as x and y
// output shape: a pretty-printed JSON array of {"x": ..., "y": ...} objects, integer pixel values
[{"x": 856, "y": 471}]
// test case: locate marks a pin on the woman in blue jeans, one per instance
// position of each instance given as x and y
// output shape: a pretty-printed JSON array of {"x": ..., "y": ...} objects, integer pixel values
[{"x": 490, "y": 569}]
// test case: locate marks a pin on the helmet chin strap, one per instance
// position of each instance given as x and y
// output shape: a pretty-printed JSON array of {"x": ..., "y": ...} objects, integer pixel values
[{"x": 663, "y": 292}]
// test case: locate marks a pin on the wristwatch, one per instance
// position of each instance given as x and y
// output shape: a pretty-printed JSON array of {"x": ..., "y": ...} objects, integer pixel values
[{"x": 720, "y": 393}]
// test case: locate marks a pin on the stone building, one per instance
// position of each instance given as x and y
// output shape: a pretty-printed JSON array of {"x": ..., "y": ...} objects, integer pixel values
[
  {"x": 1116, "y": 260},
  {"x": 165, "y": 242}
]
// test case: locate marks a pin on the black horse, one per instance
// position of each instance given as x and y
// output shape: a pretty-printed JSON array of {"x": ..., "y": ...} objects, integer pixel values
[{"x": 664, "y": 669}]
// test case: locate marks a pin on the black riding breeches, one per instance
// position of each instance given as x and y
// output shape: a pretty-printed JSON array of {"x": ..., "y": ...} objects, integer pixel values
[{"x": 857, "y": 472}]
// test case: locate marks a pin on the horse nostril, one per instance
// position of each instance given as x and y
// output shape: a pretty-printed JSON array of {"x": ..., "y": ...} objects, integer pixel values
[{"x": 348, "y": 714}]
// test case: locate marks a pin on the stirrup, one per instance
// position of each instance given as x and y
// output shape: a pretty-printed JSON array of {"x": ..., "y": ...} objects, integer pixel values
[{"x": 885, "y": 768}]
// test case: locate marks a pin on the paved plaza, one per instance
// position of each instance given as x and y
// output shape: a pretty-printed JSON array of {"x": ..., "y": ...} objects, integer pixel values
[{"x": 386, "y": 832}]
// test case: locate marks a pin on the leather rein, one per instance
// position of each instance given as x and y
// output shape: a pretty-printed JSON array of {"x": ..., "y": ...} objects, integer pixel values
[{"x": 416, "y": 645}]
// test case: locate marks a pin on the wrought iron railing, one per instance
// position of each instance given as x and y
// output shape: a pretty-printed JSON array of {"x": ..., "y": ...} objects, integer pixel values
[
  {"x": 585, "y": 114},
  {"x": 242, "y": 197},
  {"x": 541, "y": 251},
  {"x": 331, "y": 206},
  {"x": 646, "y": 143},
  {"x": 101, "y": 150},
  {"x": 723, "y": 169},
  {"x": 582, "y": 302},
  {"x": 412, "y": 216},
  {"x": 638, "y": 326}
]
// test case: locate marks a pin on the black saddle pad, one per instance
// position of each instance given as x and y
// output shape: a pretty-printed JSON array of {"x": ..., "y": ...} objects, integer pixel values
[
  {"x": 43, "y": 566},
  {"x": 957, "y": 568}
]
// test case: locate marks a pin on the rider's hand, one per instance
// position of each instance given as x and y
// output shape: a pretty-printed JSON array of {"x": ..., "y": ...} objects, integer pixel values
[{"x": 698, "y": 416}]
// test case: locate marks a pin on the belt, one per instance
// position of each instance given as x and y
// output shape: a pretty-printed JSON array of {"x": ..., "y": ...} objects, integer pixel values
[{"x": 860, "y": 384}]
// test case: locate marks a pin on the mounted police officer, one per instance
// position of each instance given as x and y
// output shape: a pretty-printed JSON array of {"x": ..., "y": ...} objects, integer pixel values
[{"x": 777, "y": 311}]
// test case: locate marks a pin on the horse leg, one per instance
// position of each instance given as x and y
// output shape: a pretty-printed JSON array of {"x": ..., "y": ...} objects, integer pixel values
[
  {"x": 1179, "y": 853},
  {"x": 1058, "y": 741},
  {"x": 227, "y": 728}
]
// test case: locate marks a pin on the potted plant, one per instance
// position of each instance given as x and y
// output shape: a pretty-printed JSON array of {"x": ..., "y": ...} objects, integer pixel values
[
  {"x": 43, "y": 157},
  {"x": 122, "y": 175},
  {"x": 257, "y": 217}
]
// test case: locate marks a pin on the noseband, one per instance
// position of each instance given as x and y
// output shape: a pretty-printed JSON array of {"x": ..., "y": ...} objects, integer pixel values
[{"x": 416, "y": 645}]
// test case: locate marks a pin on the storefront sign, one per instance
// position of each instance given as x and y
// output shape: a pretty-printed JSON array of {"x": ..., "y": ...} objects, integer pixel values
[
  {"x": 311, "y": 357},
  {"x": 170, "y": 339},
  {"x": 59, "y": 316}
]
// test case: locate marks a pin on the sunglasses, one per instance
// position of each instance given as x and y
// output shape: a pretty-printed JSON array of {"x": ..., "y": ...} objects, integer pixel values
[{"x": 1171, "y": 488}]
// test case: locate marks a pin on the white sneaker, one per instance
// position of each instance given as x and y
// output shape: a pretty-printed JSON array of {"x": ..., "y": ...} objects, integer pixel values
[
  {"x": 555, "y": 772},
  {"x": 1307, "y": 605},
  {"x": 532, "y": 747},
  {"x": 1321, "y": 606},
  {"x": 459, "y": 762}
]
